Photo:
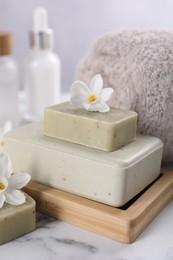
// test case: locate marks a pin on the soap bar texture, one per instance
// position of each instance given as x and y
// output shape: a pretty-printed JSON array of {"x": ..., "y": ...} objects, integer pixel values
[
  {"x": 105, "y": 131},
  {"x": 112, "y": 178},
  {"x": 16, "y": 221}
]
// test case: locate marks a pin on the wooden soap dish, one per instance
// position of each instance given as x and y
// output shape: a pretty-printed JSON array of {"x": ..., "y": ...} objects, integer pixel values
[{"x": 123, "y": 224}]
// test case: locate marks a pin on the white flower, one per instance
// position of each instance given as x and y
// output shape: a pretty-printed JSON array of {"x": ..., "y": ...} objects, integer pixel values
[
  {"x": 11, "y": 183},
  {"x": 92, "y": 98}
]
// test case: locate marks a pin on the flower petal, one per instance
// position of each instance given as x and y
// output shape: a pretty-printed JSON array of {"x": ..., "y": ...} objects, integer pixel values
[
  {"x": 5, "y": 166},
  {"x": 18, "y": 180},
  {"x": 2, "y": 200},
  {"x": 15, "y": 197},
  {"x": 79, "y": 93},
  {"x": 87, "y": 106},
  {"x": 100, "y": 107},
  {"x": 96, "y": 84},
  {"x": 106, "y": 94}
]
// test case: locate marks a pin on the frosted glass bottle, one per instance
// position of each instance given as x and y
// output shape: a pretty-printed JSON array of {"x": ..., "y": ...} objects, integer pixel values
[
  {"x": 42, "y": 76},
  {"x": 9, "y": 83},
  {"x": 42, "y": 82}
]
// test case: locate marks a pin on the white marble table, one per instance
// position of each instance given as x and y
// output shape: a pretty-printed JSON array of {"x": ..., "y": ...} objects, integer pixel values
[{"x": 57, "y": 240}]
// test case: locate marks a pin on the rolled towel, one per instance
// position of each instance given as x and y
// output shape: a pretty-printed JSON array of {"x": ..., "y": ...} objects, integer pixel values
[{"x": 139, "y": 66}]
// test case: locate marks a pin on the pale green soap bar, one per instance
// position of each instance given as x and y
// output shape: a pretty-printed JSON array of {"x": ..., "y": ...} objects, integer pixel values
[
  {"x": 16, "y": 221},
  {"x": 105, "y": 131},
  {"x": 111, "y": 178}
]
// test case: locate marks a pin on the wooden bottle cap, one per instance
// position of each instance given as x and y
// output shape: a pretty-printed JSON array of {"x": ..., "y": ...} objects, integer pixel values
[{"x": 5, "y": 43}]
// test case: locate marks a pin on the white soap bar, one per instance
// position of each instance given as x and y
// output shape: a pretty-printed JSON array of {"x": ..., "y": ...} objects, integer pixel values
[
  {"x": 16, "y": 221},
  {"x": 105, "y": 131},
  {"x": 109, "y": 177}
]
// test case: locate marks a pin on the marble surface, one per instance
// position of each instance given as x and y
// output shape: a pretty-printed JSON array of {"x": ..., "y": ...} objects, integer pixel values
[{"x": 57, "y": 240}]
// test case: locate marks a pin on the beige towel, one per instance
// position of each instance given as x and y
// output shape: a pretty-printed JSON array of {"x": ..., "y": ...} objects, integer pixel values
[{"x": 139, "y": 66}]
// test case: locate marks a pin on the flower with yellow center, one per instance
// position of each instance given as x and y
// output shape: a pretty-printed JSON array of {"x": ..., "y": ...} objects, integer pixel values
[
  {"x": 92, "y": 97},
  {"x": 10, "y": 184}
]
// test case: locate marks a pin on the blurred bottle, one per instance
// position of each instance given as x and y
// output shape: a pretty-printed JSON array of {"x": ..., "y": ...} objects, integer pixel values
[
  {"x": 42, "y": 76},
  {"x": 9, "y": 84}
]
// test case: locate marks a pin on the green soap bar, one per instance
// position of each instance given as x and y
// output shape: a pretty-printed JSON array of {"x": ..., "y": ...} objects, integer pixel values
[
  {"x": 111, "y": 178},
  {"x": 105, "y": 131},
  {"x": 16, "y": 221}
]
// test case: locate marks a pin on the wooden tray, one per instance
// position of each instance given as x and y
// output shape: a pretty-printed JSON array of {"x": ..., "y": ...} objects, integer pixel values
[{"x": 124, "y": 224}]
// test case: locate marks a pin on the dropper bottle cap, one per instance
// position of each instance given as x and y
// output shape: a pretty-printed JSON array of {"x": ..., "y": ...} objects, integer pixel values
[
  {"x": 5, "y": 43},
  {"x": 41, "y": 37}
]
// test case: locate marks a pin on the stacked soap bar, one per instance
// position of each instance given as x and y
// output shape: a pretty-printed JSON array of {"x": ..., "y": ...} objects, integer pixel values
[
  {"x": 104, "y": 131},
  {"x": 16, "y": 221},
  {"x": 108, "y": 177}
]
